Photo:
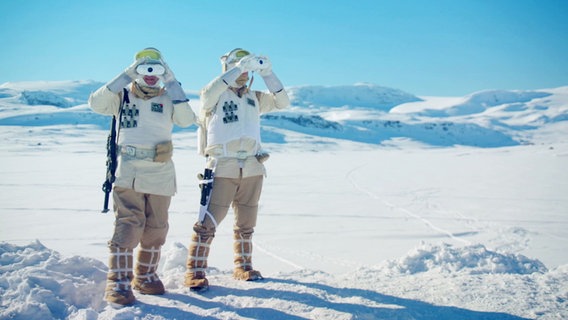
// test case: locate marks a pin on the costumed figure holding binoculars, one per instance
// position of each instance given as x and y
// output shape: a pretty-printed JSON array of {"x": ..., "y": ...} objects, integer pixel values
[
  {"x": 229, "y": 138},
  {"x": 145, "y": 175}
]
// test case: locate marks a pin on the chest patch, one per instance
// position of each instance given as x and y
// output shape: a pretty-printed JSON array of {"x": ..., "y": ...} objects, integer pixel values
[
  {"x": 251, "y": 102},
  {"x": 157, "y": 107},
  {"x": 130, "y": 114},
  {"x": 230, "y": 110}
]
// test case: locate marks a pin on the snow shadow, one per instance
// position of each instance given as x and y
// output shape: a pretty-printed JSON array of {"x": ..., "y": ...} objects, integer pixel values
[
  {"x": 215, "y": 291},
  {"x": 319, "y": 299}
]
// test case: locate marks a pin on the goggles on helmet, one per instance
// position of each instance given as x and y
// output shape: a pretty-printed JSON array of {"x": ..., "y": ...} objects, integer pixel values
[
  {"x": 151, "y": 53},
  {"x": 150, "y": 69},
  {"x": 234, "y": 56}
]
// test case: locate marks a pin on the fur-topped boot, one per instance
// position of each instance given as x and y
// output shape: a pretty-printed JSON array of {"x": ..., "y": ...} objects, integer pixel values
[
  {"x": 197, "y": 262},
  {"x": 243, "y": 258},
  {"x": 118, "y": 291},
  {"x": 146, "y": 280}
]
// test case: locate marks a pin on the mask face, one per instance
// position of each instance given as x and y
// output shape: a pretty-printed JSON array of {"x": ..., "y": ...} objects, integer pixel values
[
  {"x": 149, "y": 81},
  {"x": 242, "y": 79}
]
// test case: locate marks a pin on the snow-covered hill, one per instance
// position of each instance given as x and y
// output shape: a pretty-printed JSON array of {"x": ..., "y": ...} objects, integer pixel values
[{"x": 362, "y": 112}]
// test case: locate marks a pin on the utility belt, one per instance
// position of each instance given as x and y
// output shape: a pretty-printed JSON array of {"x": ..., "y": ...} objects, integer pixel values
[
  {"x": 161, "y": 153},
  {"x": 242, "y": 155},
  {"x": 239, "y": 155},
  {"x": 221, "y": 152}
]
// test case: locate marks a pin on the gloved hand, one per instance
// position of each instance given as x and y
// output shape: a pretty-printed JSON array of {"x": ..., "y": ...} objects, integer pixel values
[
  {"x": 248, "y": 63},
  {"x": 124, "y": 78},
  {"x": 168, "y": 76},
  {"x": 264, "y": 66},
  {"x": 131, "y": 70},
  {"x": 173, "y": 87}
]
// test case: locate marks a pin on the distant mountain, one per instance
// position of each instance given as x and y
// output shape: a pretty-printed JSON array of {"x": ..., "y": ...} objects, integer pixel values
[
  {"x": 361, "y": 95},
  {"x": 364, "y": 113}
]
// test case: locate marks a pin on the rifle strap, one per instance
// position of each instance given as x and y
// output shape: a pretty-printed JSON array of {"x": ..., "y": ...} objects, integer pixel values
[{"x": 125, "y": 99}]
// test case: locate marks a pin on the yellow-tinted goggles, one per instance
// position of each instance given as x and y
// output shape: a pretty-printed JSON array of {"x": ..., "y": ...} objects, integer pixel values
[
  {"x": 236, "y": 56},
  {"x": 241, "y": 53},
  {"x": 148, "y": 53}
]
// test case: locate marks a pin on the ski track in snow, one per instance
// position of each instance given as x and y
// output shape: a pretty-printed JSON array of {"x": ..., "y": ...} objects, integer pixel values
[
  {"x": 394, "y": 207},
  {"x": 275, "y": 256}
]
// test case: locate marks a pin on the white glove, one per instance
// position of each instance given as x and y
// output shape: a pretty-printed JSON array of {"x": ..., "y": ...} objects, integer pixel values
[
  {"x": 168, "y": 76},
  {"x": 131, "y": 70},
  {"x": 173, "y": 87},
  {"x": 264, "y": 66},
  {"x": 273, "y": 83},
  {"x": 248, "y": 63},
  {"x": 231, "y": 75},
  {"x": 124, "y": 78}
]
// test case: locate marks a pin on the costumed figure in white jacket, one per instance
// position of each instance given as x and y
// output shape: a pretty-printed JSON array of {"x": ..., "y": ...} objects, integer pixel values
[
  {"x": 145, "y": 178},
  {"x": 230, "y": 141}
]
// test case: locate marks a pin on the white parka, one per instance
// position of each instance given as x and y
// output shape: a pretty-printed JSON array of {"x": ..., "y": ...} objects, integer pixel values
[
  {"x": 233, "y": 127},
  {"x": 144, "y": 124}
]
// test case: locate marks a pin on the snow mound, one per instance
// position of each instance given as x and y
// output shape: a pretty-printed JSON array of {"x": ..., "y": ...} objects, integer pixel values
[
  {"x": 37, "y": 283},
  {"x": 474, "y": 259},
  {"x": 359, "y": 95}
]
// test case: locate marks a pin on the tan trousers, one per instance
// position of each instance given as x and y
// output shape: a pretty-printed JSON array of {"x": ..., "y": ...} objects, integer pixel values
[
  {"x": 243, "y": 194},
  {"x": 139, "y": 218}
]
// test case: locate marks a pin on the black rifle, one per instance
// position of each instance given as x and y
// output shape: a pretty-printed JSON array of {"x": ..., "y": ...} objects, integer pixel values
[{"x": 112, "y": 161}]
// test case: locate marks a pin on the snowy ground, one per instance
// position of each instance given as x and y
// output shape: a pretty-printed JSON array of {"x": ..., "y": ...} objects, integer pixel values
[{"x": 347, "y": 230}]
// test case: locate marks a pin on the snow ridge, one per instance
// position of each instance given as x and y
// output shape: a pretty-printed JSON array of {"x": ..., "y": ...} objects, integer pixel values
[
  {"x": 360, "y": 95},
  {"x": 361, "y": 112}
]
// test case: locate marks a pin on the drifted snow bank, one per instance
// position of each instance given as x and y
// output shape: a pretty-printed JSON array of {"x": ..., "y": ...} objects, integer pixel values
[
  {"x": 37, "y": 283},
  {"x": 474, "y": 259},
  {"x": 431, "y": 282}
]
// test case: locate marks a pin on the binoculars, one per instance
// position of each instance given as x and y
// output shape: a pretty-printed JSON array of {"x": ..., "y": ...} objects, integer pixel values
[{"x": 151, "y": 69}]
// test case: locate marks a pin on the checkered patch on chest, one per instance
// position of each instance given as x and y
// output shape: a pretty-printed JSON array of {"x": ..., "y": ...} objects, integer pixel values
[
  {"x": 157, "y": 107},
  {"x": 130, "y": 114},
  {"x": 230, "y": 109}
]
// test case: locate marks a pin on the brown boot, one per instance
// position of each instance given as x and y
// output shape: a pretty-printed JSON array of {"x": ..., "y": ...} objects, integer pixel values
[
  {"x": 197, "y": 262},
  {"x": 146, "y": 280},
  {"x": 243, "y": 258},
  {"x": 118, "y": 291}
]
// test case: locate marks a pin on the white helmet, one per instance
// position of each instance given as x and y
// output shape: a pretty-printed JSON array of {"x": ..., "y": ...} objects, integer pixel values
[{"x": 153, "y": 66}]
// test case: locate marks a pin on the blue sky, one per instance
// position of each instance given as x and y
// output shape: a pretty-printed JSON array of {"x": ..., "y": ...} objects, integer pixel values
[{"x": 437, "y": 47}]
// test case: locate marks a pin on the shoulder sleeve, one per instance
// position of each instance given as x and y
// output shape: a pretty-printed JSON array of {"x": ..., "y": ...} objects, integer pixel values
[
  {"x": 104, "y": 101},
  {"x": 272, "y": 101},
  {"x": 210, "y": 94},
  {"x": 183, "y": 116}
]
